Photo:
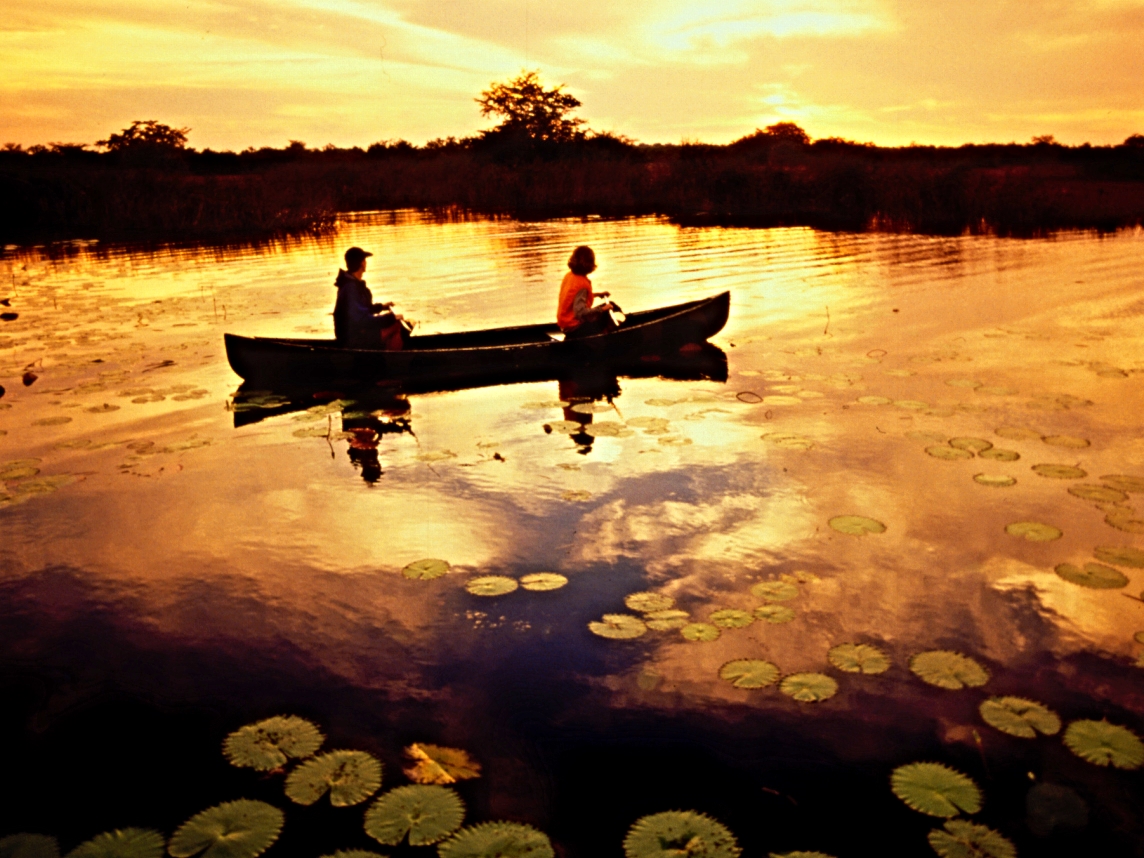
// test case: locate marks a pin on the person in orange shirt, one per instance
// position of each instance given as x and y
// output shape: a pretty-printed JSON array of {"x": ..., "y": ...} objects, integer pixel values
[{"x": 574, "y": 311}]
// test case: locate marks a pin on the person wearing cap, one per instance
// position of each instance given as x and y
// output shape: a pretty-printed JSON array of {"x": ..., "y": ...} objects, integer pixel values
[{"x": 359, "y": 323}]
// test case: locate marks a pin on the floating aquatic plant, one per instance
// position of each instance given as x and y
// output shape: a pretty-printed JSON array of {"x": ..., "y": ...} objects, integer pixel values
[
  {"x": 1060, "y": 472},
  {"x": 29, "y": 846},
  {"x": 426, "y": 570},
  {"x": 662, "y": 621},
  {"x": 775, "y": 591},
  {"x": 1033, "y": 531},
  {"x": 947, "y": 669},
  {"x": 52, "y": 421},
  {"x": 436, "y": 764},
  {"x": 590, "y": 407},
  {"x": 1070, "y": 441},
  {"x": 680, "y": 834},
  {"x": 266, "y": 745},
  {"x": 948, "y": 453},
  {"x": 997, "y": 454},
  {"x": 1099, "y": 494},
  {"x": 646, "y": 602},
  {"x": 858, "y": 658},
  {"x": 350, "y": 777},
  {"x": 975, "y": 445},
  {"x": 857, "y": 525},
  {"x": 874, "y": 400},
  {"x": 1125, "y": 520},
  {"x": 122, "y": 843},
  {"x": 607, "y": 429},
  {"x": 749, "y": 673},
  {"x": 1102, "y": 744},
  {"x": 235, "y": 829},
  {"x": 1020, "y": 717},
  {"x": 996, "y": 481},
  {"x": 19, "y": 470},
  {"x": 774, "y": 613},
  {"x": 935, "y": 789},
  {"x": 491, "y": 585},
  {"x": 961, "y": 839},
  {"x": 564, "y": 427},
  {"x": 809, "y": 687},
  {"x": 731, "y": 618},
  {"x": 539, "y": 582},
  {"x": 618, "y": 626},
  {"x": 1124, "y": 482},
  {"x": 497, "y": 840},
  {"x": 1121, "y": 555},
  {"x": 425, "y": 813},
  {"x": 551, "y": 403},
  {"x": 700, "y": 632},
  {"x": 1094, "y": 575}
]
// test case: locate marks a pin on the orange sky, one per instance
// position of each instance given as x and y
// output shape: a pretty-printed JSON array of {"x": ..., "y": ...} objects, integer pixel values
[{"x": 350, "y": 72}]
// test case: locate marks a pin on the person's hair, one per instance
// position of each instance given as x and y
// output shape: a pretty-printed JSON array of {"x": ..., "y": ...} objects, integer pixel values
[
  {"x": 582, "y": 261},
  {"x": 355, "y": 256}
]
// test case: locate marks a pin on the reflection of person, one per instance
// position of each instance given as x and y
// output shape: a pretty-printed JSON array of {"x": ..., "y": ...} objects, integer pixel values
[
  {"x": 365, "y": 431},
  {"x": 574, "y": 311},
  {"x": 359, "y": 323}
]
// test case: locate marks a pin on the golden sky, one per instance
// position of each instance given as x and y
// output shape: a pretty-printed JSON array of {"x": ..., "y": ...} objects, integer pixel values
[{"x": 350, "y": 72}]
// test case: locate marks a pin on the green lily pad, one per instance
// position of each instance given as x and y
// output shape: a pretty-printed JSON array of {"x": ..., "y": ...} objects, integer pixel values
[
  {"x": 491, "y": 585},
  {"x": 1060, "y": 472},
  {"x": 1125, "y": 483},
  {"x": 947, "y": 669},
  {"x": 857, "y": 525},
  {"x": 618, "y": 626},
  {"x": 935, "y": 789},
  {"x": 497, "y": 840},
  {"x": 809, "y": 687},
  {"x": 911, "y": 404},
  {"x": 1070, "y": 441},
  {"x": 590, "y": 407},
  {"x": 1103, "y": 744},
  {"x": 29, "y": 846},
  {"x": 425, "y": 570},
  {"x": 564, "y": 427},
  {"x": 267, "y": 745},
  {"x": 424, "y": 813},
  {"x": 123, "y": 843},
  {"x": 1126, "y": 520},
  {"x": 775, "y": 591},
  {"x": 663, "y": 403},
  {"x": 1094, "y": 575},
  {"x": 1033, "y": 531},
  {"x": 731, "y": 618},
  {"x": 550, "y": 403},
  {"x": 1020, "y": 717},
  {"x": 1100, "y": 494},
  {"x": 996, "y": 481},
  {"x": 608, "y": 429},
  {"x": 962, "y": 839},
  {"x": 540, "y": 582},
  {"x": 235, "y": 829},
  {"x": 662, "y": 621},
  {"x": 680, "y": 834},
  {"x": 774, "y": 613},
  {"x": 350, "y": 777},
  {"x": 975, "y": 445},
  {"x": 948, "y": 453},
  {"x": 52, "y": 421},
  {"x": 437, "y": 764},
  {"x": 858, "y": 658},
  {"x": 749, "y": 673},
  {"x": 700, "y": 632},
  {"x": 11, "y": 473},
  {"x": 874, "y": 400},
  {"x": 999, "y": 455},
  {"x": 646, "y": 602},
  {"x": 1121, "y": 555}
]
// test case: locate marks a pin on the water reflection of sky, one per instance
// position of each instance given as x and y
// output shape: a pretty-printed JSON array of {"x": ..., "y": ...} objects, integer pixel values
[{"x": 176, "y": 559}]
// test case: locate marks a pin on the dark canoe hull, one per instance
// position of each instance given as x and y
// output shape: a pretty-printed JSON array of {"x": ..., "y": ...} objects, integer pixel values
[{"x": 520, "y": 351}]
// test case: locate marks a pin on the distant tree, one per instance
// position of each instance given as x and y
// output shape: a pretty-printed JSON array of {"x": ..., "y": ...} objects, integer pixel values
[
  {"x": 528, "y": 108},
  {"x": 1045, "y": 140},
  {"x": 780, "y": 132},
  {"x": 146, "y": 136},
  {"x": 1135, "y": 141},
  {"x": 296, "y": 147}
]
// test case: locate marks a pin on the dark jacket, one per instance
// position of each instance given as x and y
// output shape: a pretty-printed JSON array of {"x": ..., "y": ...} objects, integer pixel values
[{"x": 357, "y": 323}]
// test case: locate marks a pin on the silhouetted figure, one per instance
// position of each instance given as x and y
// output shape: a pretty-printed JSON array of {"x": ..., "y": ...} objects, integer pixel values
[
  {"x": 575, "y": 314},
  {"x": 366, "y": 431},
  {"x": 359, "y": 323}
]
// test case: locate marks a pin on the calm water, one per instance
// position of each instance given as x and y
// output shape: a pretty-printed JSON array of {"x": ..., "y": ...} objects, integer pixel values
[{"x": 168, "y": 576}]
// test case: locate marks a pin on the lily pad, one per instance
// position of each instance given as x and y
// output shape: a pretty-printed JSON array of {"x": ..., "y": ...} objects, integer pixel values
[
  {"x": 1033, "y": 531},
  {"x": 590, "y": 407},
  {"x": 858, "y": 658},
  {"x": 1127, "y": 521},
  {"x": 425, "y": 814},
  {"x": 1060, "y": 472},
  {"x": 700, "y": 632},
  {"x": 857, "y": 525},
  {"x": 911, "y": 404},
  {"x": 874, "y": 400},
  {"x": 425, "y": 570},
  {"x": 674, "y": 441},
  {"x": 1124, "y": 482},
  {"x": 790, "y": 442},
  {"x": 935, "y": 789},
  {"x": 564, "y": 427},
  {"x": 491, "y": 585},
  {"x": 731, "y": 618},
  {"x": 663, "y": 403},
  {"x": 996, "y": 481},
  {"x": 680, "y": 834},
  {"x": 961, "y": 839},
  {"x": 1099, "y": 494},
  {"x": 775, "y": 591},
  {"x": 1020, "y": 717},
  {"x": 52, "y": 421},
  {"x": 749, "y": 673},
  {"x": 106, "y": 408},
  {"x": 123, "y": 843},
  {"x": 268, "y": 744},
  {"x": 436, "y": 764},
  {"x": 1121, "y": 555},
  {"x": 18, "y": 473},
  {"x": 947, "y": 669},
  {"x": 497, "y": 840},
  {"x": 809, "y": 687},
  {"x": 29, "y": 846},
  {"x": 1103, "y": 744},
  {"x": 550, "y": 403},
  {"x": 1094, "y": 575},
  {"x": 608, "y": 429},
  {"x": 540, "y": 582},
  {"x": 975, "y": 445},
  {"x": 350, "y": 777},
  {"x": 618, "y": 626},
  {"x": 662, "y": 621},
  {"x": 996, "y": 454},
  {"x": 647, "y": 601},
  {"x": 774, "y": 613},
  {"x": 235, "y": 829},
  {"x": 1018, "y": 433},
  {"x": 1070, "y": 441},
  {"x": 948, "y": 453}
]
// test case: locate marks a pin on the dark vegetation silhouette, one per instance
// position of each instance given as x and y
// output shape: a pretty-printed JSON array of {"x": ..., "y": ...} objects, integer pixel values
[{"x": 540, "y": 161}]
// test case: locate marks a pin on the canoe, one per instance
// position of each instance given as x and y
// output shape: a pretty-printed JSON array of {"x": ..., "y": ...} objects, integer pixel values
[{"x": 525, "y": 350}]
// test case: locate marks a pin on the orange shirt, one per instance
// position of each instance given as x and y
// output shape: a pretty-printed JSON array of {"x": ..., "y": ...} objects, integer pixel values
[{"x": 569, "y": 311}]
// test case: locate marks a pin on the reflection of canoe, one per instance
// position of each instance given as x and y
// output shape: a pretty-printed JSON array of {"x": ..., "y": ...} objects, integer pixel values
[{"x": 524, "y": 350}]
